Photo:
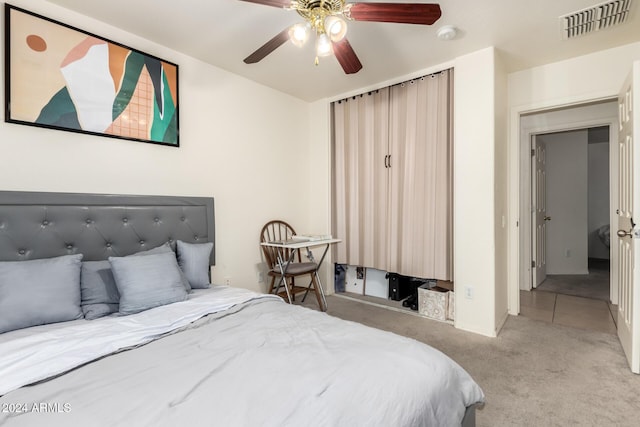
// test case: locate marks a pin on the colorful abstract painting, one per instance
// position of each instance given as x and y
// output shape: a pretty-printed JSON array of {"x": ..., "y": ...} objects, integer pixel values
[{"x": 64, "y": 78}]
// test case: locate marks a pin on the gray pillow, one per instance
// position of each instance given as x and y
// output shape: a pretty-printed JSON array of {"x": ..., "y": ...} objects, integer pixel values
[
  {"x": 148, "y": 281},
  {"x": 193, "y": 259},
  {"x": 99, "y": 291},
  {"x": 166, "y": 248},
  {"x": 100, "y": 295},
  {"x": 38, "y": 292},
  {"x": 162, "y": 249}
]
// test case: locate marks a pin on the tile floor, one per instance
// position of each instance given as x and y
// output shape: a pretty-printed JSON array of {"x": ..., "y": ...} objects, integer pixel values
[
  {"x": 579, "y": 301},
  {"x": 569, "y": 310}
]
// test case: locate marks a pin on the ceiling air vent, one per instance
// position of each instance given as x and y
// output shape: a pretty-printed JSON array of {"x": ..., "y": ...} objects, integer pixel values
[{"x": 594, "y": 18}]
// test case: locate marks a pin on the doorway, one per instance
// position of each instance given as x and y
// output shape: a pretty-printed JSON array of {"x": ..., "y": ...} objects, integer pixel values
[
  {"x": 571, "y": 200},
  {"x": 570, "y": 230},
  {"x": 568, "y": 249},
  {"x": 625, "y": 201},
  {"x": 569, "y": 222}
]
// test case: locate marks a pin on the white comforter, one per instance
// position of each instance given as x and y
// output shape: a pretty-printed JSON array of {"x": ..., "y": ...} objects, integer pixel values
[{"x": 256, "y": 362}]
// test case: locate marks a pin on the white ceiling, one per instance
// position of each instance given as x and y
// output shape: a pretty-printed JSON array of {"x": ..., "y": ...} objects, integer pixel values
[{"x": 224, "y": 32}]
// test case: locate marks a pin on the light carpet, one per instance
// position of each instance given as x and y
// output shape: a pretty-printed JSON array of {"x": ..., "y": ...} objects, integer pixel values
[{"x": 533, "y": 374}]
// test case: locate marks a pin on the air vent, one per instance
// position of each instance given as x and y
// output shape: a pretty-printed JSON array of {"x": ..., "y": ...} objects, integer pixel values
[{"x": 595, "y": 18}]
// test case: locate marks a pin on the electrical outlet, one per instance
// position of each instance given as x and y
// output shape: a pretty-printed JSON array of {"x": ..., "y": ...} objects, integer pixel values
[
  {"x": 567, "y": 253},
  {"x": 260, "y": 277},
  {"x": 227, "y": 281},
  {"x": 468, "y": 292}
]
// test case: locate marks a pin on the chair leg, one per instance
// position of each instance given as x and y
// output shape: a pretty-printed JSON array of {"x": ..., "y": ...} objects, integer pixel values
[
  {"x": 271, "y": 284},
  {"x": 293, "y": 285}
]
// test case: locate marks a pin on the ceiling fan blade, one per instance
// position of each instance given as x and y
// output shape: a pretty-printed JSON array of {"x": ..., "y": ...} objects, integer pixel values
[
  {"x": 346, "y": 56},
  {"x": 274, "y": 3},
  {"x": 268, "y": 47},
  {"x": 403, "y": 13}
]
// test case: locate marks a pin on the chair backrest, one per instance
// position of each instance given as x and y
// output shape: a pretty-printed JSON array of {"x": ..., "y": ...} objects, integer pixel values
[{"x": 274, "y": 231}]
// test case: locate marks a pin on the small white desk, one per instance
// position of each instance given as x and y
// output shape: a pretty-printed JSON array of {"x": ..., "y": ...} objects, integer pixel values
[{"x": 300, "y": 244}]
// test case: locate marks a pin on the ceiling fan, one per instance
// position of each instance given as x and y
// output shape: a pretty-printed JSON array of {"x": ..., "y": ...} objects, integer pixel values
[{"x": 328, "y": 19}]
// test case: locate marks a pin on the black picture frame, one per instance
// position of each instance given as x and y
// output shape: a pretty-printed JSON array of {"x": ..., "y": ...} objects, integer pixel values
[{"x": 64, "y": 78}]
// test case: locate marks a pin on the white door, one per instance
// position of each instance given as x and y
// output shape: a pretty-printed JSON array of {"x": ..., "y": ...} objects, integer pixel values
[
  {"x": 627, "y": 232},
  {"x": 540, "y": 218}
]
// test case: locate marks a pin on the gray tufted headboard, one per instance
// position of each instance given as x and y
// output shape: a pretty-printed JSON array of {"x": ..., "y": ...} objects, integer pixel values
[{"x": 43, "y": 225}]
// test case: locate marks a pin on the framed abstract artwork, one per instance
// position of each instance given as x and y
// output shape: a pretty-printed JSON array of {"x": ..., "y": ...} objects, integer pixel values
[{"x": 61, "y": 77}]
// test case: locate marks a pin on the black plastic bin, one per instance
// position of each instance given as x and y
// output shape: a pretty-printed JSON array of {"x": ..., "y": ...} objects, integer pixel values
[{"x": 399, "y": 286}]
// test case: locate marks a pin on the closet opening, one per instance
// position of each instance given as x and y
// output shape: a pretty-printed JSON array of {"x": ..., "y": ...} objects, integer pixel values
[{"x": 393, "y": 195}]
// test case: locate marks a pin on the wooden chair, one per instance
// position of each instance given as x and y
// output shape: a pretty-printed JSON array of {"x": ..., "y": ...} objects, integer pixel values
[{"x": 279, "y": 231}]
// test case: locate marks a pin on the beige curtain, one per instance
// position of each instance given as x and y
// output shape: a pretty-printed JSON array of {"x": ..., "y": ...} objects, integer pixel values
[
  {"x": 360, "y": 218},
  {"x": 421, "y": 191},
  {"x": 397, "y": 218}
]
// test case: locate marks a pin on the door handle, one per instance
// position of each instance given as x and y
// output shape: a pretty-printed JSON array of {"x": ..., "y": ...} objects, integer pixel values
[
  {"x": 622, "y": 233},
  {"x": 547, "y": 218}
]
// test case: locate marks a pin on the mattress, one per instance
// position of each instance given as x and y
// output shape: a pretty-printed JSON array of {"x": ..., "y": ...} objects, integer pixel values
[{"x": 227, "y": 357}]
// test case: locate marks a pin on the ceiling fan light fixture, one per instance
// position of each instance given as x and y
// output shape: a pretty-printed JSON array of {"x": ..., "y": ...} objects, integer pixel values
[
  {"x": 323, "y": 45},
  {"x": 299, "y": 33},
  {"x": 335, "y": 27},
  {"x": 328, "y": 20}
]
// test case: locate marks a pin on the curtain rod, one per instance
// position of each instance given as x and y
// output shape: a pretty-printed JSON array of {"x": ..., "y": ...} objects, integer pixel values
[
  {"x": 432, "y": 75},
  {"x": 371, "y": 92}
]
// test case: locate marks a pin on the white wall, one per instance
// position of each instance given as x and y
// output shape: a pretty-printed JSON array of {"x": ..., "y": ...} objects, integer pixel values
[
  {"x": 501, "y": 185},
  {"x": 240, "y": 142},
  {"x": 474, "y": 191},
  {"x": 578, "y": 80},
  {"x": 598, "y": 197},
  {"x": 319, "y": 182},
  {"x": 567, "y": 192},
  {"x": 588, "y": 77}
]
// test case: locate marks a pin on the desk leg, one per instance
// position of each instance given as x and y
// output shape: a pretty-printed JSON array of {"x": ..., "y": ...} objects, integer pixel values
[
  {"x": 283, "y": 271},
  {"x": 312, "y": 259},
  {"x": 318, "y": 282},
  {"x": 324, "y": 300}
]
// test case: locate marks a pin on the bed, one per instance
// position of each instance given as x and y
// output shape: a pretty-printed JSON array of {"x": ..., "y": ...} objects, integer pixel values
[{"x": 213, "y": 355}]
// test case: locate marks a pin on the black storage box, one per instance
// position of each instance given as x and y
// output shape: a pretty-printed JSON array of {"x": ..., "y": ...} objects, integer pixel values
[{"x": 399, "y": 287}]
